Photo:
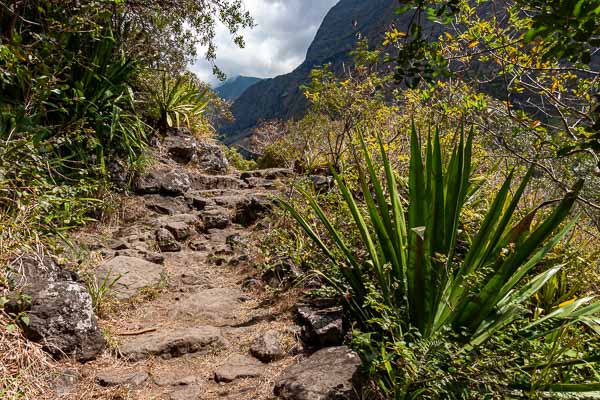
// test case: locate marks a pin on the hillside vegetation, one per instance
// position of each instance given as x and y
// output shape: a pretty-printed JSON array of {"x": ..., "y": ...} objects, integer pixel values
[
  {"x": 460, "y": 224},
  {"x": 441, "y": 187}
]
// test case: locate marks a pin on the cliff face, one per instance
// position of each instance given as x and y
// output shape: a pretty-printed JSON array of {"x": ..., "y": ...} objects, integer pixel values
[
  {"x": 234, "y": 88},
  {"x": 280, "y": 97}
]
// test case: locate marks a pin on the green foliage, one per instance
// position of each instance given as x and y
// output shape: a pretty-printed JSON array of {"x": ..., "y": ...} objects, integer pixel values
[
  {"x": 79, "y": 108},
  {"x": 418, "y": 272},
  {"x": 539, "y": 62},
  {"x": 176, "y": 101},
  {"x": 568, "y": 28},
  {"x": 100, "y": 291},
  {"x": 237, "y": 160}
]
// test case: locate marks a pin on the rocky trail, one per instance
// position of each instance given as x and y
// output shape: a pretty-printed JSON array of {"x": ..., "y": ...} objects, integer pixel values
[{"x": 189, "y": 317}]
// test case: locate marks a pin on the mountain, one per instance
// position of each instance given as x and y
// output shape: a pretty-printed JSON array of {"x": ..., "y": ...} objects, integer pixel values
[
  {"x": 280, "y": 97},
  {"x": 232, "y": 89}
]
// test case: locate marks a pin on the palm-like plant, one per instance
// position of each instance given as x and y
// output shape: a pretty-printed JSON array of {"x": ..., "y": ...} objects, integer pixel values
[
  {"x": 176, "y": 101},
  {"x": 411, "y": 256}
]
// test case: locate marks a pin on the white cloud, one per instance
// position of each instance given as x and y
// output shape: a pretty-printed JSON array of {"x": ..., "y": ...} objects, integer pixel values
[{"x": 277, "y": 45}]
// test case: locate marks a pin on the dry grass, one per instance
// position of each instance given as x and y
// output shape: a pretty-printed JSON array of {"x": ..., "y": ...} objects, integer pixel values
[{"x": 24, "y": 367}]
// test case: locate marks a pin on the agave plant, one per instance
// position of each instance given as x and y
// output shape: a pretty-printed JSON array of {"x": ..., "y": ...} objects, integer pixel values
[
  {"x": 412, "y": 258},
  {"x": 177, "y": 101}
]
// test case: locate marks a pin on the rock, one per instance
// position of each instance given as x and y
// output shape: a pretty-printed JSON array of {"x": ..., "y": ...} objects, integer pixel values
[
  {"x": 198, "y": 201},
  {"x": 182, "y": 226},
  {"x": 116, "y": 377},
  {"x": 211, "y": 182},
  {"x": 173, "y": 379},
  {"x": 260, "y": 183},
  {"x": 239, "y": 260},
  {"x": 238, "y": 366},
  {"x": 321, "y": 327},
  {"x": 61, "y": 318},
  {"x": 234, "y": 240},
  {"x": 166, "y": 205},
  {"x": 215, "y": 218},
  {"x": 321, "y": 183},
  {"x": 166, "y": 241},
  {"x": 218, "y": 306},
  {"x": 269, "y": 173},
  {"x": 261, "y": 225},
  {"x": 133, "y": 274},
  {"x": 37, "y": 269},
  {"x": 231, "y": 200},
  {"x": 175, "y": 183},
  {"x": 237, "y": 393},
  {"x": 283, "y": 273},
  {"x": 119, "y": 174},
  {"x": 147, "y": 184},
  {"x": 155, "y": 258},
  {"x": 267, "y": 347},
  {"x": 167, "y": 181},
  {"x": 198, "y": 245},
  {"x": 181, "y": 148},
  {"x": 223, "y": 250},
  {"x": 188, "y": 393},
  {"x": 250, "y": 283},
  {"x": 329, "y": 374},
  {"x": 249, "y": 212},
  {"x": 117, "y": 244},
  {"x": 65, "y": 382},
  {"x": 211, "y": 158},
  {"x": 173, "y": 342}
]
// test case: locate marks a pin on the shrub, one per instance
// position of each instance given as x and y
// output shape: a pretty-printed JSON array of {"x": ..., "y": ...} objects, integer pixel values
[
  {"x": 237, "y": 160},
  {"x": 174, "y": 102},
  {"x": 419, "y": 275}
]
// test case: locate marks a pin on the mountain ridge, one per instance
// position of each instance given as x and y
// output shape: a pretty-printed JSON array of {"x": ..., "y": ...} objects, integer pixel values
[
  {"x": 280, "y": 97},
  {"x": 234, "y": 88}
]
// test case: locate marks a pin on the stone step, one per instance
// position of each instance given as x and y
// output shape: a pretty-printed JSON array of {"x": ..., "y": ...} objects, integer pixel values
[
  {"x": 208, "y": 182},
  {"x": 174, "y": 342},
  {"x": 238, "y": 366},
  {"x": 217, "y": 306},
  {"x": 126, "y": 276}
]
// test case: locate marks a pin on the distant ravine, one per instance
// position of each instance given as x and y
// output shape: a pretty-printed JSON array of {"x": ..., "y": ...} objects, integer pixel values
[{"x": 280, "y": 97}]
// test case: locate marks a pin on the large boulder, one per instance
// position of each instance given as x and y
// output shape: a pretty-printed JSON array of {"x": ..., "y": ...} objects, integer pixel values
[
  {"x": 329, "y": 374},
  {"x": 128, "y": 275},
  {"x": 61, "y": 318}
]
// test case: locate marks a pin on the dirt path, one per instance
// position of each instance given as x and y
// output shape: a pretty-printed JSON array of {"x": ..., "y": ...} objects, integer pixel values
[{"x": 189, "y": 311}]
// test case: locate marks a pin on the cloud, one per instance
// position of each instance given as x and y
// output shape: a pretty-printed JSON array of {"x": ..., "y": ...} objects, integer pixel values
[{"x": 277, "y": 45}]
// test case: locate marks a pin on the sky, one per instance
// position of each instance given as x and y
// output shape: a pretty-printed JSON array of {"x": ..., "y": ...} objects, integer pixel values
[{"x": 278, "y": 44}]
